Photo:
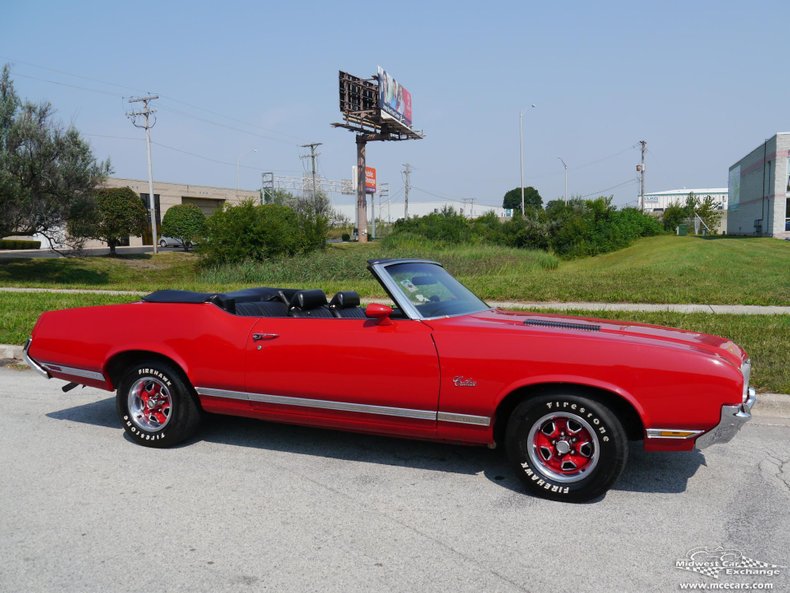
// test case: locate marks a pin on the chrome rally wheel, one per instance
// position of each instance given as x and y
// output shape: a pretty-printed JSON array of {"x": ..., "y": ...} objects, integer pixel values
[
  {"x": 150, "y": 404},
  {"x": 563, "y": 447}
]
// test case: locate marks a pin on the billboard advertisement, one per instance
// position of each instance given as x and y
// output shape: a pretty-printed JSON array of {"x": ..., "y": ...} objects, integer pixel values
[
  {"x": 370, "y": 179},
  {"x": 394, "y": 98}
]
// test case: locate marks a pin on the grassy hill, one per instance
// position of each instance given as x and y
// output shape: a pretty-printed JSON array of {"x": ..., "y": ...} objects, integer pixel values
[{"x": 663, "y": 269}]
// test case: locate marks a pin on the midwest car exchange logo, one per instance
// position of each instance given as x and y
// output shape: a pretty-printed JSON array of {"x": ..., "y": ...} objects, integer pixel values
[{"x": 713, "y": 563}]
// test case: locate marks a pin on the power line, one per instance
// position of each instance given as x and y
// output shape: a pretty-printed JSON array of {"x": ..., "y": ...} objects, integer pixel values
[
  {"x": 166, "y": 97},
  {"x": 221, "y": 125},
  {"x": 73, "y": 86},
  {"x": 601, "y": 191}
]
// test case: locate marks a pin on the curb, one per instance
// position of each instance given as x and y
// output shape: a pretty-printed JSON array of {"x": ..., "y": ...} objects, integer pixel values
[{"x": 10, "y": 352}]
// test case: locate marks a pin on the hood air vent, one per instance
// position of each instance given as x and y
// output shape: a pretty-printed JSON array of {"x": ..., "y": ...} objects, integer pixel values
[{"x": 563, "y": 324}]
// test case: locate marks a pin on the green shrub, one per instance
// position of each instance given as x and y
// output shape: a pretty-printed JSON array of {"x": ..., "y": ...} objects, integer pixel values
[
  {"x": 185, "y": 222},
  {"x": 19, "y": 244},
  {"x": 446, "y": 226},
  {"x": 250, "y": 232}
]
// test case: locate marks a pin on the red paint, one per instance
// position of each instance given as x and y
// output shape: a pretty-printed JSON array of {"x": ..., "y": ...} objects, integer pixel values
[{"x": 672, "y": 378}]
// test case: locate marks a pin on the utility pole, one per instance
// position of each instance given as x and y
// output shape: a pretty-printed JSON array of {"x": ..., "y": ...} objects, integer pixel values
[
  {"x": 146, "y": 112},
  {"x": 565, "y": 195},
  {"x": 406, "y": 187},
  {"x": 641, "y": 169},
  {"x": 372, "y": 216},
  {"x": 384, "y": 192},
  {"x": 313, "y": 155}
]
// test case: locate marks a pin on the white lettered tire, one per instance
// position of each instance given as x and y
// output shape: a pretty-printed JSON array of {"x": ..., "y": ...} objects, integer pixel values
[
  {"x": 566, "y": 447},
  {"x": 156, "y": 406}
]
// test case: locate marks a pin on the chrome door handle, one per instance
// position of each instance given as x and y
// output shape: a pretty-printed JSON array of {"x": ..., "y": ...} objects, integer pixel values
[{"x": 258, "y": 337}]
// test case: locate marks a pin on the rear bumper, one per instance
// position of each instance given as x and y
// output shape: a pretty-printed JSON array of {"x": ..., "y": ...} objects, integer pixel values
[
  {"x": 732, "y": 418},
  {"x": 32, "y": 363}
]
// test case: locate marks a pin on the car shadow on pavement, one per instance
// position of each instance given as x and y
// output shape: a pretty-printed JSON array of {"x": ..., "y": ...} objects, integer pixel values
[
  {"x": 98, "y": 413},
  {"x": 644, "y": 472}
]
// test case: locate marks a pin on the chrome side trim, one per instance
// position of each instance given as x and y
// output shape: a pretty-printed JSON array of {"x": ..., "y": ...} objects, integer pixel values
[
  {"x": 322, "y": 404},
  {"x": 59, "y": 368},
  {"x": 731, "y": 421},
  {"x": 32, "y": 363},
  {"x": 463, "y": 418},
  {"x": 679, "y": 433}
]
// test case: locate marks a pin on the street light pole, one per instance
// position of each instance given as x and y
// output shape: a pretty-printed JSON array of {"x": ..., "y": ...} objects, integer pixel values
[
  {"x": 565, "y": 195},
  {"x": 238, "y": 165},
  {"x": 521, "y": 152}
]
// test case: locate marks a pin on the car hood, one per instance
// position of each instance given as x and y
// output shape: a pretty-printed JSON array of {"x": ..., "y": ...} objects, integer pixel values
[{"x": 641, "y": 333}]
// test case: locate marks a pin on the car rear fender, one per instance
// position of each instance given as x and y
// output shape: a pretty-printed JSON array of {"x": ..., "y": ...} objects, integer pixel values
[{"x": 119, "y": 361}]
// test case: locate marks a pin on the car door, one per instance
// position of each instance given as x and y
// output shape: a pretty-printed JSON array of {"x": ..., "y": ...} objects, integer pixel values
[{"x": 366, "y": 374}]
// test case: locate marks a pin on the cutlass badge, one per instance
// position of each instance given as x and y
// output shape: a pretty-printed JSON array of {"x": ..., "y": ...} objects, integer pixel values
[{"x": 460, "y": 381}]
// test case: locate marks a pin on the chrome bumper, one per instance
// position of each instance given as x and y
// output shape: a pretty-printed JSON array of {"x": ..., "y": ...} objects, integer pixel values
[
  {"x": 32, "y": 363},
  {"x": 732, "y": 418}
]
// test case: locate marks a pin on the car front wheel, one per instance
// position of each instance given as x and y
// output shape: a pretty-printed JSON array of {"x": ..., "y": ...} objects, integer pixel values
[
  {"x": 566, "y": 447},
  {"x": 162, "y": 243},
  {"x": 156, "y": 406}
]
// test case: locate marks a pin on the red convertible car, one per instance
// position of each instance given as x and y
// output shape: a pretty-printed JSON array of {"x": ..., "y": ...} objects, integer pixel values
[{"x": 563, "y": 395}]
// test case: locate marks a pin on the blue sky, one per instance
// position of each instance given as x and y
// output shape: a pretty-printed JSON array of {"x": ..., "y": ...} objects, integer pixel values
[{"x": 703, "y": 82}]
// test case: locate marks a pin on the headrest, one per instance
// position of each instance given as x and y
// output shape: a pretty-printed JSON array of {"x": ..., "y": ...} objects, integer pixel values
[
  {"x": 345, "y": 299},
  {"x": 308, "y": 299}
]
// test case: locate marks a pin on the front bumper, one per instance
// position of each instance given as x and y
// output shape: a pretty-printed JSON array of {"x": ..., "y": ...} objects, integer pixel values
[{"x": 732, "y": 418}]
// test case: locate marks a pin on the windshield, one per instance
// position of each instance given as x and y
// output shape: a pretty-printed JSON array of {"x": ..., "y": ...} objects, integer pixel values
[{"x": 432, "y": 291}]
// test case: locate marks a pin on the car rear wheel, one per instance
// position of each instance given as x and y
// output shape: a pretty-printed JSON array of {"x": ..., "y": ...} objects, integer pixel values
[
  {"x": 156, "y": 406},
  {"x": 566, "y": 447},
  {"x": 162, "y": 243}
]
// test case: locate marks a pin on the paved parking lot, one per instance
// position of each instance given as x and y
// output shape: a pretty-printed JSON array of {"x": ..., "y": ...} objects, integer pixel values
[{"x": 253, "y": 506}]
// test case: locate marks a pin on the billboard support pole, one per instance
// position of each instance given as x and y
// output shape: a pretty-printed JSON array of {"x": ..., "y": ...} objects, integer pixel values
[{"x": 362, "y": 214}]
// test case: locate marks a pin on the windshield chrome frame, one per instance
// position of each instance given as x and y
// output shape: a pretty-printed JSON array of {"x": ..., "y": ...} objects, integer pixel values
[{"x": 379, "y": 269}]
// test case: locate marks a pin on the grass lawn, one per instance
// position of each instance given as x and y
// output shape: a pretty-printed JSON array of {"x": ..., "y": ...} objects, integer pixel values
[
  {"x": 765, "y": 337},
  {"x": 663, "y": 269}
]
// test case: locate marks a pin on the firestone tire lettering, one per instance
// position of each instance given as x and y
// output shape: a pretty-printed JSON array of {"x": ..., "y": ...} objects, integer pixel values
[{"x": 606, "y": 434}]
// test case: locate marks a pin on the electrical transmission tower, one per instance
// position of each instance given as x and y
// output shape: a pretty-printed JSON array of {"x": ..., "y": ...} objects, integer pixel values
[
  {"x": 146, "y": 113},
  {"x": 406, "y": 187}
]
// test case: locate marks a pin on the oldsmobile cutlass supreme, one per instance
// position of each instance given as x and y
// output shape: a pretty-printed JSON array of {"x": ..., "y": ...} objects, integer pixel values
[{"x": 563, "y": 395}]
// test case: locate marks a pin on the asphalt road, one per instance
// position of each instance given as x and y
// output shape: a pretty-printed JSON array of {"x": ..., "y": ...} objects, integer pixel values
[{"x": 253, "y": 506}]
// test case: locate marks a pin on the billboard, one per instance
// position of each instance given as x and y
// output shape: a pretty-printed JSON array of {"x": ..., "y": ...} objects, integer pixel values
[
  {"x": 394, "y": 98},
  {"x": 370, "y": 179}
]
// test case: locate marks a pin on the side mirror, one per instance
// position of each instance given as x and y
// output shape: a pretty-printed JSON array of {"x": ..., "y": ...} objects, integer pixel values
[{"x": 380, "y": 312}]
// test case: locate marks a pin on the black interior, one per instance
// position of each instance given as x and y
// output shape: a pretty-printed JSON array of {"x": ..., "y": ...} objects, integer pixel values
[{"x": 270, "y": 302}]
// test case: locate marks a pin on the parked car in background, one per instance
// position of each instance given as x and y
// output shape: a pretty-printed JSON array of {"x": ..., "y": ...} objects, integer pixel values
[
  {"x": 563, "y": 395},
  {"x": 173, "y": 242}
]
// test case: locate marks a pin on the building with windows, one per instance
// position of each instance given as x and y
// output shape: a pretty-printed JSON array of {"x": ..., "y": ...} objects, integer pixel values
[
  {"x": 759, "y": 188},
  {"x": 658, "y": 201},
  {"x": 166, "y": 195}
]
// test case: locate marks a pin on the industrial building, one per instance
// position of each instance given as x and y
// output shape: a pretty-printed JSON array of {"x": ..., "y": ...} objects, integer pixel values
[
  {"x": 658, "y": 201},
  {"x": 759, "y": 189},
  {"x": 207, "y": 198}
]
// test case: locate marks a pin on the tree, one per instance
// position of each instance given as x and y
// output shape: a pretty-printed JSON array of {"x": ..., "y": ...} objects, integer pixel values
[
  {"x": 532, "y": 199},
  {"x": 709, "y": 211},
  {"x": 185, "y": 222},
  {"x": 46, "y": 171},
  {"x": 252, "y": 232},
  {"x": 115, "y": 214}
]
